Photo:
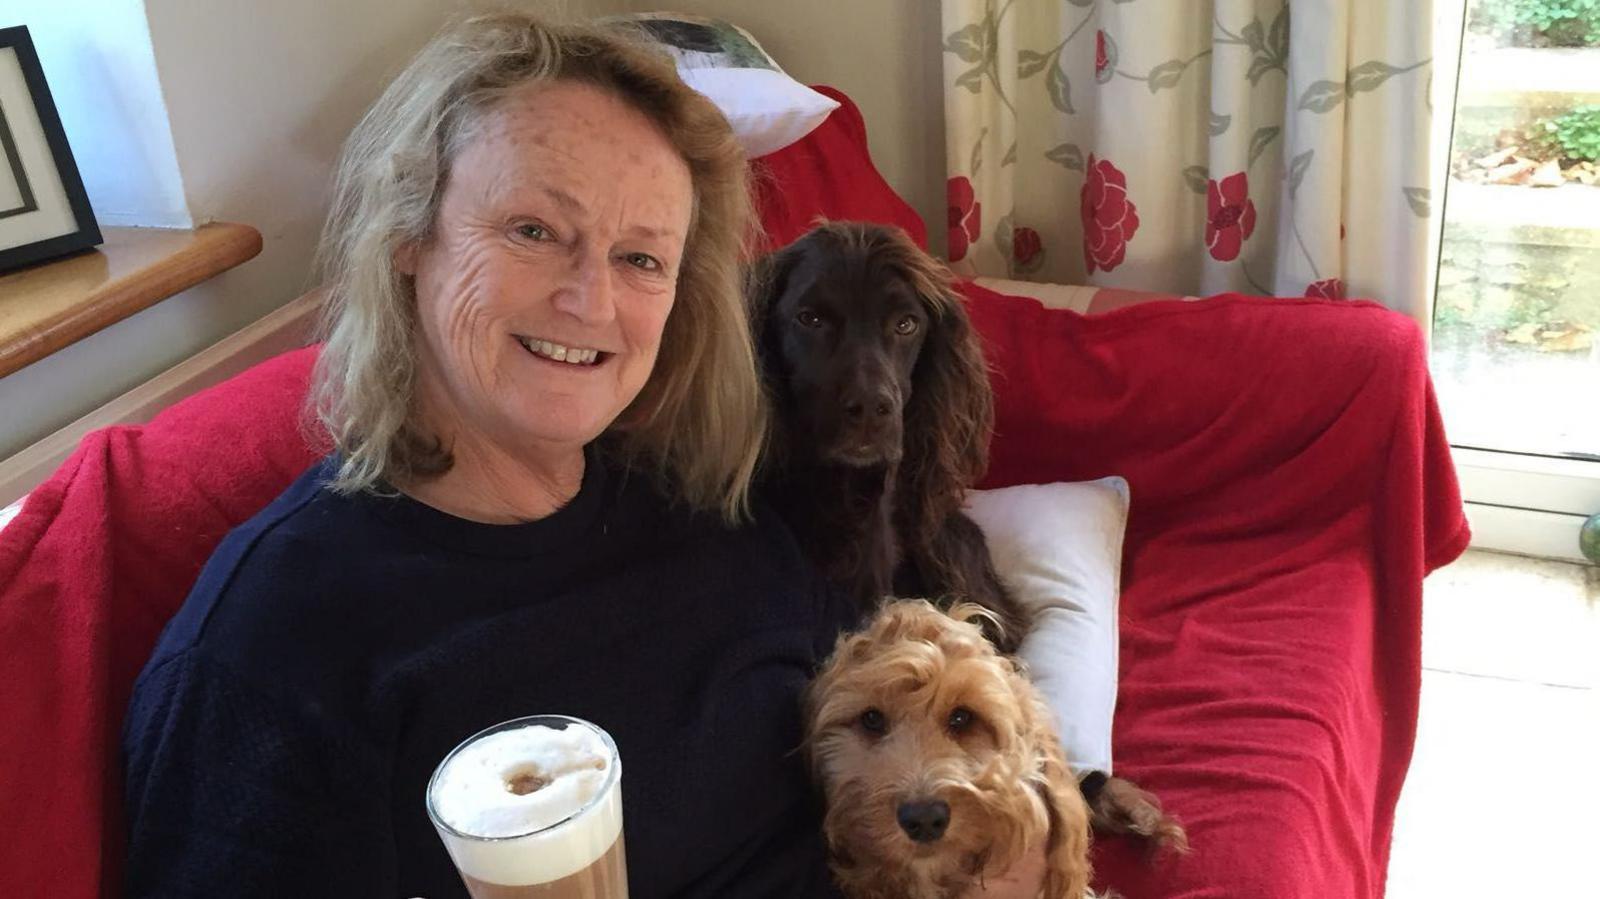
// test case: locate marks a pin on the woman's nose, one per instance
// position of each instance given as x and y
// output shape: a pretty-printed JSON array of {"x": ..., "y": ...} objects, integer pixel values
[{"x": 587, "y": 292}]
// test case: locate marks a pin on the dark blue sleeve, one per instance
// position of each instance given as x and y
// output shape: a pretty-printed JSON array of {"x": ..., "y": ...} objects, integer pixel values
[{"x": 233, "y": 791}]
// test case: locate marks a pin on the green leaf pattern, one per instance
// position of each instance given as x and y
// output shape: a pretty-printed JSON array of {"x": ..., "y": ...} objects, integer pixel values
[
  {"x": 1068, "y": 155},
  {"x": 1323, "y": 96},
  {"x": 970, "y": 43},
  {"x": 1060, "y": 88},
  {"x": 1369, "y": 76},
  {"x": 1168, "y": 74},
  {"x": 1297, "y": 170},
  {"x": 1261, "y": 140},
  {"x": 1030, "y": 63},
  {"x": 1420, "y": 199}
]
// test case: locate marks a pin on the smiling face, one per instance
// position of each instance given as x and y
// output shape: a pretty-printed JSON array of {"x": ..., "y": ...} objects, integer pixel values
[{"x": 552, "y": 265}]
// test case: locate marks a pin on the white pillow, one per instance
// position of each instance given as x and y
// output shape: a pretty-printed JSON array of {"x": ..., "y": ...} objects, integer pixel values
[
  {"x": 10, "y": 512},
  {"x": 767, "y": 109},
  {"x": 1059, "y": 548}
]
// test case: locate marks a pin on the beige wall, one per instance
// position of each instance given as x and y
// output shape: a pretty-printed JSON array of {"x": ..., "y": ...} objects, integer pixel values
[
  {"x": 260, "y": 95},
  {"x": 886, "y": 54},
  {"x": 97, "y": 58}
]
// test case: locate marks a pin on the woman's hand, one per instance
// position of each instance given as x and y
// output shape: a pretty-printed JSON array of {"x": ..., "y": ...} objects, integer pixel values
[{"x": 1023, "y": 881}]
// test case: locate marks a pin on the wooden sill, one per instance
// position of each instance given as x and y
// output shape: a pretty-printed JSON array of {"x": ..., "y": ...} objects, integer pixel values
[{"x": 48, "y": 306}]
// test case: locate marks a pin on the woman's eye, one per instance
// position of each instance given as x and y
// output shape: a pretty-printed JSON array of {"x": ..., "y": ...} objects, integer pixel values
[
  {"x": 808, "y": 318},
  {"x": 960, "y": 720},
  {"x": 907, "y": 325},
  {"x": 643, "y": 261},
  {"x": 873, "y": 722},
  {"x": 533, "y": 231}
]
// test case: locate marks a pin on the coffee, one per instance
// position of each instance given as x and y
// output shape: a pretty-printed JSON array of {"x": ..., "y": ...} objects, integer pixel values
[
  {"x": 533, "y": 807},
  {"x": 607, "y": 877}
]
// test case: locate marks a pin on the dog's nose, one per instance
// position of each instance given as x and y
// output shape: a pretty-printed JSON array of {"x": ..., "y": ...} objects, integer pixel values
[
  {"x": 877, "y": 404},
  {"x": 924, "y": 821}
]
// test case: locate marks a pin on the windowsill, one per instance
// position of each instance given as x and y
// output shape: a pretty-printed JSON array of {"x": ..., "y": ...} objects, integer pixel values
[{"x": 48, "y": 306}]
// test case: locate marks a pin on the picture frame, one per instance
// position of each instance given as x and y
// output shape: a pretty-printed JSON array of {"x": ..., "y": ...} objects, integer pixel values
[{"x": 44, "y": 210}]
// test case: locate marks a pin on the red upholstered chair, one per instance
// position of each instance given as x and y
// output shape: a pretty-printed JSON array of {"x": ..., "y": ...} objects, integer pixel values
[{"x": 1290, "y": 482}]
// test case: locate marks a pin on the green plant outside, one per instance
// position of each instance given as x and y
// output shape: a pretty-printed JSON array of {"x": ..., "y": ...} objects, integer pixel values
[
  {"x": 1561, "y": 23},
  {"x": 1577, "y": 133}
]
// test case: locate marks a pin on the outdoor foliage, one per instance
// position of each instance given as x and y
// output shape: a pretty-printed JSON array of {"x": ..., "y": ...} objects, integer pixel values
[
  {"x": 1561, "y": 23},
  {"x": 1577, "y": 133}
]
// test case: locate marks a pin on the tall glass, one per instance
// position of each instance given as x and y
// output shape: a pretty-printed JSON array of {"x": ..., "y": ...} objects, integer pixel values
[{"x": 533, "y": 807}]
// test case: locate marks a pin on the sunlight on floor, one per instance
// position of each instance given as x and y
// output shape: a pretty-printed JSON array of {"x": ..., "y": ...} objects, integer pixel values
[{"x": 1503, "y": 787}]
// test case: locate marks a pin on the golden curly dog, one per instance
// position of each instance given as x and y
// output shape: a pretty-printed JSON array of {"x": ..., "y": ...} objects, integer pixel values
[{"x": 938, "y": 761}]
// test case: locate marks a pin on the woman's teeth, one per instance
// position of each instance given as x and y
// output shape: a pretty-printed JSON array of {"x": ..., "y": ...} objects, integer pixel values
[{"x": 558, "y": 353}]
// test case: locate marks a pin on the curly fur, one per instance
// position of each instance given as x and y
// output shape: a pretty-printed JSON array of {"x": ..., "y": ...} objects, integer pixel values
[{"x": 1003, "y": 775}]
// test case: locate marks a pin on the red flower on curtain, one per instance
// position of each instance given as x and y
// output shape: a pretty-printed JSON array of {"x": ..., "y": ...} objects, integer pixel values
[
  {"x": 1230, "y": 216},
  {"x": 964, "y": 210},
  {"x": 1327, "y": 289},
  {"x": 1109, "y": 217},
  {"x": 1101, "y": 58},
  {"x": 1025, "y": 245}
]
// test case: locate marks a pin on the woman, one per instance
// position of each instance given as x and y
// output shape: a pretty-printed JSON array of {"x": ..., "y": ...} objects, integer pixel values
[{"x": 545, "y": 414}]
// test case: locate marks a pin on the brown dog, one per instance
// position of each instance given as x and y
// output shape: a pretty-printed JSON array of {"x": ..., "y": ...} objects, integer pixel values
[
  {"x": 882, "y": 414},
  {"x": 938, "y": 762}
]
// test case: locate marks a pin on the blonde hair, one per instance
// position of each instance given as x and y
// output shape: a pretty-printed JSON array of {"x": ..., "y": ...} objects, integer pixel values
[{"x": 699, "y": 421}]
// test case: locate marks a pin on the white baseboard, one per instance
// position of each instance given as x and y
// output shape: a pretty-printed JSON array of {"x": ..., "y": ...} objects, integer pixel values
[
  {"x": 1525, "y": 532},
  {"x": 279, "y": 331},
  {"x": 1567, "y": 486},
  {"x": 1527, "y": 505}
]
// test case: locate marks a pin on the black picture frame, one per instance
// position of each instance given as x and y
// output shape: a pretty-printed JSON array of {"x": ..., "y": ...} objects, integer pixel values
[{"x": 87, "y": 235}]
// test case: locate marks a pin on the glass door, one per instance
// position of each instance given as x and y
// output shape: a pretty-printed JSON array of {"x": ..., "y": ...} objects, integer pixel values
[{"x": 1516, "y": 328}]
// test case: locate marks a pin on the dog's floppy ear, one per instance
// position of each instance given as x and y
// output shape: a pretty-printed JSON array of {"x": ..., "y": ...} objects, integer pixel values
[
  {"x": 766, "y": 281},
  {"x": 1067, "y": 868},
  {"x": 951, "y": 413}
]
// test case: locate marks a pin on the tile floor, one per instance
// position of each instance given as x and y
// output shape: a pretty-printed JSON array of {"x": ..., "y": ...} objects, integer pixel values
[{"x": 1503, "y": 798}]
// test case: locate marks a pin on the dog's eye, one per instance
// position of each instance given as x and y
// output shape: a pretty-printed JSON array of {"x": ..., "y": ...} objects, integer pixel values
[
  {"x": 873, "y": 722},
  {"x": 808, "y": 318},
  {"x": 907, "y": 325},
  {"x": 961, "y": 718}
]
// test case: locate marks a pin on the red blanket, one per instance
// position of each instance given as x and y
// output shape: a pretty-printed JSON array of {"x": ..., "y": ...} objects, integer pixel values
[
  {"x": 101, "y": 556},
  {"x": 1291, "y": 486}
]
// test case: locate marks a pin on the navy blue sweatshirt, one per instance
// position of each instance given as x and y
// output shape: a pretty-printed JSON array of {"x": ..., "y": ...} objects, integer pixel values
[{"x": 335, "y": 648}]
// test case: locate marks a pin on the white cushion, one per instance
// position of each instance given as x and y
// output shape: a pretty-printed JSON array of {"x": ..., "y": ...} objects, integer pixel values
[
  {"x": 768, "y": 109},
  {"x": 10, "y": 512},
  {"x": 1058, "y": 547}
]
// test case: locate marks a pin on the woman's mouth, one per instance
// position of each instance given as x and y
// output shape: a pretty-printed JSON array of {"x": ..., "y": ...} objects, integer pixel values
[{"x": 555, "y": 352}]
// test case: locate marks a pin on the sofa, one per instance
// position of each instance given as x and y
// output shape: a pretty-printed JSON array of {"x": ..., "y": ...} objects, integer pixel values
[{"x": 1291, "y": 487}]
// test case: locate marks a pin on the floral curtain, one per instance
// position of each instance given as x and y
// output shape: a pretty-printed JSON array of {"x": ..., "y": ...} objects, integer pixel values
[{"x": 1192, "y": 146}]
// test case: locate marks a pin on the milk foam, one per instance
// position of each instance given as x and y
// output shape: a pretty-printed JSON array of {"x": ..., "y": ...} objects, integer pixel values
[{"x": 506, "y": 838}]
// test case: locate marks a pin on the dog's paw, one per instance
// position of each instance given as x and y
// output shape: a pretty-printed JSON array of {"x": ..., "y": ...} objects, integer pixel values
[{"x": 1118, "y": 806}]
